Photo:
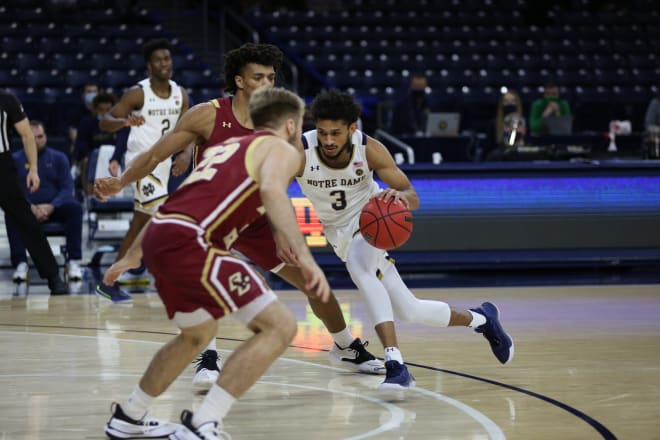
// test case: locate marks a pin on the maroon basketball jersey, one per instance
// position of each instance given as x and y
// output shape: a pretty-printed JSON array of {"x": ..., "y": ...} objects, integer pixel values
[
  {"x": 226, "y": 126},
  {"x": 219, "y": 198}
]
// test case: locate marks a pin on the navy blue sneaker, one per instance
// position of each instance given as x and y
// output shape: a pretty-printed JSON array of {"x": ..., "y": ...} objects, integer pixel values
[
  {"x": 397, "y": 381},
  {"x": 499, "y": 340},
  {"x": 114, "y": 293}
]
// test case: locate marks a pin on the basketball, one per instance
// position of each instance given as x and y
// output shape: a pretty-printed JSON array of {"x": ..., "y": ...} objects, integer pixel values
[{"x": 385, "y": 225}]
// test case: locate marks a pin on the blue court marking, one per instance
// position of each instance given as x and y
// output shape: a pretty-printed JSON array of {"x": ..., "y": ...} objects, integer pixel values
[{"x": 602, "y": 430}]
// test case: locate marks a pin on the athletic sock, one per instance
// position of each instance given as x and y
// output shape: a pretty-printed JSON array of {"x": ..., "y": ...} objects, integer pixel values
[
  {"x": 138, "y": 404},
  {"x": 215, "y": 406}
]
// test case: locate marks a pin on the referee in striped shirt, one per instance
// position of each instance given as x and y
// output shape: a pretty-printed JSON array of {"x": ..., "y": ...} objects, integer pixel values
[{"x": 12, "y": 199}]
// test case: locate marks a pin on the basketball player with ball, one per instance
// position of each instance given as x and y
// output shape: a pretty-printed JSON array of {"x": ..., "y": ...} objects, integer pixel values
[{"x": 336, "y": 175}]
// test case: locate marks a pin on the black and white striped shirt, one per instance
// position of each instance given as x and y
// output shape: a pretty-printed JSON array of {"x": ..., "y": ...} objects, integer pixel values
[{"x": 11, "y": 112}]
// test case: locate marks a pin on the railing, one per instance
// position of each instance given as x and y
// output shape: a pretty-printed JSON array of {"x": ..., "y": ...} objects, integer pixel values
[{"x": 382, "y": 134}]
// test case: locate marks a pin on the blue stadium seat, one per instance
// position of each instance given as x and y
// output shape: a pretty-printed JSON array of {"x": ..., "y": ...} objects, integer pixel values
[
  {"x": 77, "y": 78},
  {"x": 197, "y": 79},
  {"x": 15, "y": 43},
  {"x": 104, "y": 61},
  {"x": 11, "y": 78},
  {"x": 25, "y": 61},
  {"x": 118, "y": 78},
  {"x": 70, "y": 61},
  {"x": 93, "y": 45},
  {"x": 38, "y": 30},
  {"x": 42, "y": 78},
  {"x": 57, "y": 45}
]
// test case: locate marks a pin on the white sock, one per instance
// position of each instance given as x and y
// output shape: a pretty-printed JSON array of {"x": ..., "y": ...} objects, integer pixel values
[
  {"x": 211, "y": 346},
  {"x": 393, "y": 354},
  {"x": 138, "y": 404},
  {"x": 215, "y": 406},
  {"x": 477, "y": 319},
  {"x": 343, "y": 338}
]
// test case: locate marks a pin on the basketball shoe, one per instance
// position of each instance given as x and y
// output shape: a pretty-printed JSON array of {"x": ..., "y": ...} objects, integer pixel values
[
  {"x": 21, "y": 273},
  {"x": 208, "y": 431},
  {"x": 397, "y": 381},
  {"x": 356, "y": 357},
  {"x": 114, "y": 293},
  {"x": 208, "y": 369},
  {"x": 499, "y": 340},
  {"x": 120, "y": 426},
  {"x": 138, "y": 275}
]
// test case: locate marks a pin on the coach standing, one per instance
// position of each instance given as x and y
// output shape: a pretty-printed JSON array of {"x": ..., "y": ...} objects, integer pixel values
[{"x": 12, "y": 199}]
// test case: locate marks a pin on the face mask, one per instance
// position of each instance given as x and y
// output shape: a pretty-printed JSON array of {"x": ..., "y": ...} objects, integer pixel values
[
  {"x": 89, "y": 97},
  {"x": 509, "y": 108}
]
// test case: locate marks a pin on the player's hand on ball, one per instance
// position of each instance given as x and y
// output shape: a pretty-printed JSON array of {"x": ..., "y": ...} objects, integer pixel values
[{"x": 390, "y": 194}]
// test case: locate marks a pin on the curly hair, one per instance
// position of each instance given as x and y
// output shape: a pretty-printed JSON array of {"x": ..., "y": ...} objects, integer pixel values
[
  {"x": 151, "y": 46},
  {"x": 335, "y": 106},
  {"x": 249, "y": 53}
]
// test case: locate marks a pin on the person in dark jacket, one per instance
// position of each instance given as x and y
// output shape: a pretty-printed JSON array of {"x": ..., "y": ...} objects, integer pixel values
[
  {"x": 53, "y": 201},
  {"x": 12, "y": 199}
]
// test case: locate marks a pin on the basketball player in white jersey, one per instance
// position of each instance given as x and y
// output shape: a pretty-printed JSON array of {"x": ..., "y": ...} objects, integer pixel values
[
  {"x": 152, "y": 109},
  {"x": 336, "y": 175}
]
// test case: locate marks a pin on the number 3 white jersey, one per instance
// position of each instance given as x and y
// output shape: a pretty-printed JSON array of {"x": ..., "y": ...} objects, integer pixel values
[
  {"x": 160, "y": 115},
  {"x": 338, "y": 195}
]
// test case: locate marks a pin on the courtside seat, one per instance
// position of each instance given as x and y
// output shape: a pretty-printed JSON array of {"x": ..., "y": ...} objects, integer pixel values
[{"x": 105, "y": 216}]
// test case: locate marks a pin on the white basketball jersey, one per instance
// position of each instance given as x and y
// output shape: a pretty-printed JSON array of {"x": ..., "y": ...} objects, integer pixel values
[
  {"x": 160, "y": 115},
  {"x": 338, "y": 195}
]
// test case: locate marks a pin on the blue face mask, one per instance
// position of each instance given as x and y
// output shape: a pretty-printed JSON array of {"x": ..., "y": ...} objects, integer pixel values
[{"x": 89, "y": 97}]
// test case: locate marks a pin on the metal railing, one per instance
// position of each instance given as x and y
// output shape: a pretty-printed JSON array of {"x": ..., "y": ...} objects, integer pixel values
[{"x": 394, "y": 141}]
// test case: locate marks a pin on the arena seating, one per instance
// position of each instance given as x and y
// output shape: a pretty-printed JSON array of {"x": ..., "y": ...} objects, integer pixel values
[
  {"x": 603, "y": 57},
  {"x": 603, "y": 54}
]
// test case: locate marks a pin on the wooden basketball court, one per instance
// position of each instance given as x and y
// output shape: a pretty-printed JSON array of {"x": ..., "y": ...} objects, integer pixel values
[{"x": 587, "y": 366}]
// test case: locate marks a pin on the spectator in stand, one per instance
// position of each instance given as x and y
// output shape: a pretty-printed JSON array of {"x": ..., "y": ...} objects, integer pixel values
[
  {"x": 409, "y": 115},
  {"x": 90, "y": 136},
  {"x": 549, "y": 105},
  {"x": 53, "y": 201},
  {"x": 652, "y": 117},
  {"x": 509, "y": 113},
  {"x": 89, "y": 91}
]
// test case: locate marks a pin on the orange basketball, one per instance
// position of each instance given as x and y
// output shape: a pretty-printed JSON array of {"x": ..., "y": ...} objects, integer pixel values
[{"x": 385, "y": 225}]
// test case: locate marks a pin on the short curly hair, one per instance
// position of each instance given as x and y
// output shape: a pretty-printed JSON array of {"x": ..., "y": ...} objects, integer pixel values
[
  {"x": 249, "y": 53},
  {"x": 152, "y": 46},
  {"x": 335, "y": 106}
]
